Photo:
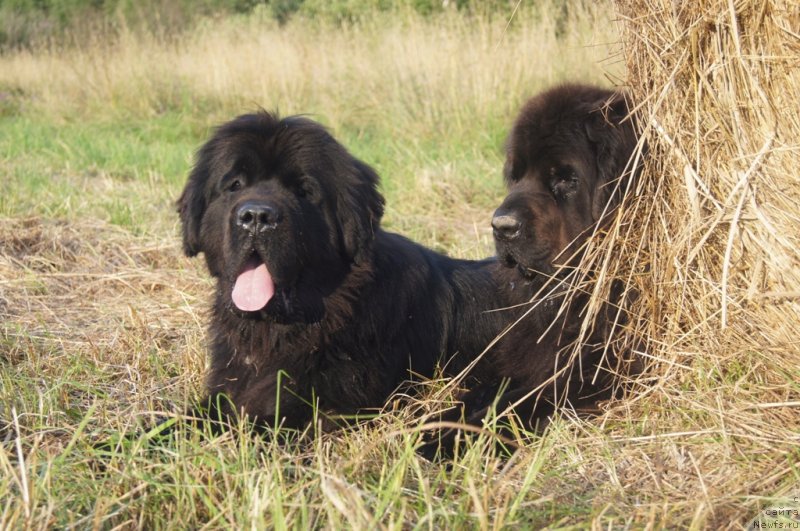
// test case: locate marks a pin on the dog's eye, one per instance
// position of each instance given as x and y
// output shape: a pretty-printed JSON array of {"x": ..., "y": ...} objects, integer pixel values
[
  {"x": 234, "y": 185},
  {"x": 307, "y": 189},
  {"x": 563, "y": 181}
]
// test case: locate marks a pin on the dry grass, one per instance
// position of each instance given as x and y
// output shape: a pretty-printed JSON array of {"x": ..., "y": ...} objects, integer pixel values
[
  {"x": 102, "y": 326},
  {"x": 434, "y": 73},
  {"x": 713, "y": 237},
  {"x": 86, "y": 297}
]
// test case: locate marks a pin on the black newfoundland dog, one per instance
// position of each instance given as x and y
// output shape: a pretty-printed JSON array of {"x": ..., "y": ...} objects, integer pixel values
[
  {"x": 567, "y": 167},
  {"x": 316, "y": 306}
]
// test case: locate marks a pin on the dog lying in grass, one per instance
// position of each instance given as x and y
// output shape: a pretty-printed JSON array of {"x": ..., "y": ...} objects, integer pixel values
[
  {"x": 566, "y": 169},
  {"x": 316, "y": 308}
]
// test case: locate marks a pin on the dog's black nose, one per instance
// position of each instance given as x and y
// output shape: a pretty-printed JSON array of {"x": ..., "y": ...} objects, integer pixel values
[
  {"x": 506, "y": 226},
  {"x": 257, "y": 217}
]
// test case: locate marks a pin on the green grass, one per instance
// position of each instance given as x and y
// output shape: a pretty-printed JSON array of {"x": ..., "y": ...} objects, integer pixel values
[
  {"x": 113, "y": 171},
  {"x": 130, "y": 171}
]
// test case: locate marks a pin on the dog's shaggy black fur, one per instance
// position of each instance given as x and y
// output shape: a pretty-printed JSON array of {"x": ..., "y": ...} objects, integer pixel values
[
  {"x": 566, "y": 169},
  {"x": 315, "y": 304}
]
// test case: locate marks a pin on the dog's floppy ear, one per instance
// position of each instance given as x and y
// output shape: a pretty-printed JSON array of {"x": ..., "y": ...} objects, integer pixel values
[
  {"x": 191, "y": 206},
  {"x": 510, "y": 166},
  {"x": 360, "y": 213},
  {"x": 515, "y": 146},
  {"x": 612, "y": 133}
]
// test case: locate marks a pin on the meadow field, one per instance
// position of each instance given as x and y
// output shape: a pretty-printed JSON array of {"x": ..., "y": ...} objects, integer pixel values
[{"x": 102, "y": 317}]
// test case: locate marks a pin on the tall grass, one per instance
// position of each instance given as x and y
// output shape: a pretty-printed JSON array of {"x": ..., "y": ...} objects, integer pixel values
[{"x": 416, "y": 70}]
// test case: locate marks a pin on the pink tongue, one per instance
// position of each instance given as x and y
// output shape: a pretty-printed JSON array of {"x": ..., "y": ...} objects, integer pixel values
[{"x": 254, "y": 287}]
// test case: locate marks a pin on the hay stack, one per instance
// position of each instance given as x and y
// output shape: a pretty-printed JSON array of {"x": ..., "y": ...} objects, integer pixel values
[{"x": 716, "y": 234}]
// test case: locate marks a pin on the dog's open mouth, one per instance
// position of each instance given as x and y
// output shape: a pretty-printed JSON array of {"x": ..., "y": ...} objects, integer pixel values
[
  {"x": 254, "y": 286},
  {"x": 528, "y": 267}
]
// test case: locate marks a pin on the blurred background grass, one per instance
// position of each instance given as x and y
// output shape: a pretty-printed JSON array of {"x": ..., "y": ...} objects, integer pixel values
[{"x": 114, "y": 96}]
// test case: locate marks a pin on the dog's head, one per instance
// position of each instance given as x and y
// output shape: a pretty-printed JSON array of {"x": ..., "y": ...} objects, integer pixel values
[
  {"x": 281, "y": 212},
  {"x": 566, "y": 167}
]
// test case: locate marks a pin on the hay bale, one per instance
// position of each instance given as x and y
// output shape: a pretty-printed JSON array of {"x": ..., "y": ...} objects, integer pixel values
[{"x": 713, "y": 231}]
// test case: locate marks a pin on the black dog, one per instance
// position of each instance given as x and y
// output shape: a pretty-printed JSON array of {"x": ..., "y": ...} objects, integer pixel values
[
  {"x": 315, "y": 305},
  {"x": 567, "y": 167}
]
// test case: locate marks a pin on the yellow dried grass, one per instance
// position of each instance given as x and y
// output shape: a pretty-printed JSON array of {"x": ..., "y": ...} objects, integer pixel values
[{"x": 710, "y": 240}]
